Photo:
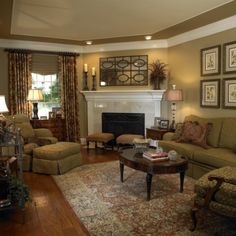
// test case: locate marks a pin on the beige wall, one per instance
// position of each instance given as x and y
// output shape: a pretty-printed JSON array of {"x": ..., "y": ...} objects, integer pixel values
[{"x": 184, "y": 61}]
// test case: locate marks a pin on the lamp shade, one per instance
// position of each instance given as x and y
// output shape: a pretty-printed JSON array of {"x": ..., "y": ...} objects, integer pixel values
[
  {"x": 174, "y": 95},
  {"x": 35, "y": 95},
  {"x": 3, "y": 106}
]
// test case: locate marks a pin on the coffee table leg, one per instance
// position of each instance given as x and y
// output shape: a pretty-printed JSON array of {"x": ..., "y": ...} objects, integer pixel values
[
  {"x": 182, "y": 174},
  {"x": 149, "y": 184},
  {"x": 121, "y": 172}
]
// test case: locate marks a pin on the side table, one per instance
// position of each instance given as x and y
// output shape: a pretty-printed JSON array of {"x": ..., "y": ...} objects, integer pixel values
[{"x": 155, "y": 133}]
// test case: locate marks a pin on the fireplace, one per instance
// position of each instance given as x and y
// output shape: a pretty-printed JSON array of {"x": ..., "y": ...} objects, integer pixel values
[
  {"x": 148, "y": 102},
  {"x": 123, "y": 123}
]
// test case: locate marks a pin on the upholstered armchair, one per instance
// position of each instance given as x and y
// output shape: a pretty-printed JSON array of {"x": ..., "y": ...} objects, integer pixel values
[
  {"x": 216, "y": 191},
  {"x": 32, "y": 138}
]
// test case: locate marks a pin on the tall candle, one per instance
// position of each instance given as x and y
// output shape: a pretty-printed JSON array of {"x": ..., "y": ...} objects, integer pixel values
[
  {"x": 85, "y": 67},
  {"x": 93, "y": 71}
]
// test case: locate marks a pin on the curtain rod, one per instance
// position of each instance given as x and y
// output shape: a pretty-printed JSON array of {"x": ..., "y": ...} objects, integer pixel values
[{"x": 41, "y": 52}]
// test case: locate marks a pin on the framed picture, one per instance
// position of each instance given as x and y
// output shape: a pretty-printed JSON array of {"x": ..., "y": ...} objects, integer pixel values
[
  {"x": 51, "y": 115},
  {"x": 210, "y": 60},
  {"x": 164, "y": 124},
  {"x": 210, "y": 93},
  {"x": 229, "y": 57},
  {"x": 229, "y": 93},
  {"x": 157, "y": 121}
]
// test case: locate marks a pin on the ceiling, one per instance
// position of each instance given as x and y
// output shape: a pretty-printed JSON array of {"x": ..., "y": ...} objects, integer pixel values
[{"x": 105, "y": 21}]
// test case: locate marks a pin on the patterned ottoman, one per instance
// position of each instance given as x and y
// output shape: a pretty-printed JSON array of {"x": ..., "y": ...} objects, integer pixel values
[
  {"x": 127, "y": 139},
  {"x": 103, "y": 138},
  {"x": 56, "y": 158}
]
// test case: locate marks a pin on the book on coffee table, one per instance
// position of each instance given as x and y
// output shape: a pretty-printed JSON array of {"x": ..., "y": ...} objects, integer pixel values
[{"x": 155, "y": 156}]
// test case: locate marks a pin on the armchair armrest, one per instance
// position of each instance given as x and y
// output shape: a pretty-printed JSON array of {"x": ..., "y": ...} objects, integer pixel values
[
  {"x": 43, "y": 132},
  {"x": 211, "y": 191}
]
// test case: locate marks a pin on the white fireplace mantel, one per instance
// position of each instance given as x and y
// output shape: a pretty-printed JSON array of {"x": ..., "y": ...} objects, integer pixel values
[
  {"x": 131, "y": 101},
  {"x": 121, "y": 95}
]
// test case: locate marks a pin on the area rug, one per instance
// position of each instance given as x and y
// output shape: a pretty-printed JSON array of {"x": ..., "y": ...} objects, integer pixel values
[{"x": 108, "y": 207}]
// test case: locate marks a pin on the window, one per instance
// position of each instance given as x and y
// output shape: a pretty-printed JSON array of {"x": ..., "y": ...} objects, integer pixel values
[
  {"x": 45, "y": 76},
  {"x": 51, "y": 90}
]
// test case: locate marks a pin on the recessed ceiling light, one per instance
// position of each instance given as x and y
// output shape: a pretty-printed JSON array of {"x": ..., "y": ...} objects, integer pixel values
[
  {"x": 148, "y": 37},
  {"x": 89, "y": 42}
]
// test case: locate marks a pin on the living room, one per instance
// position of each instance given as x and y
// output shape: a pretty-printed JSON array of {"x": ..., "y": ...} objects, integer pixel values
[{"x": 181, "y": 47}]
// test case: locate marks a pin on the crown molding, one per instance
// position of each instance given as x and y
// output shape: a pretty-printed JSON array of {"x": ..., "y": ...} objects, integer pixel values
[{"x": 210, "y": 29}]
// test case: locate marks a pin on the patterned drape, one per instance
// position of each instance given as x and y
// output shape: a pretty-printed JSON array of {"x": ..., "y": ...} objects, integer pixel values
[
  {"x": 20, "y": 81},
  {"x": 69, "y": 96}
]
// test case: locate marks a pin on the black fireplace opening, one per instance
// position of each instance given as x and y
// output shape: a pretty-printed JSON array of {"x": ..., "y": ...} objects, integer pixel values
[{"x": 123, "y": 123}]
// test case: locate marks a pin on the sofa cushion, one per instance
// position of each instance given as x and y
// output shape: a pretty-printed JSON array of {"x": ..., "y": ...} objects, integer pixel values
[
  {"x": 178, "y": 131},
  {"x": 215, "y": 157},
  {"x": 184, "y": 149},
  {"x": 214, "y": 134},
  {"x": 228, "y": 133},
  {"x": 195, "y": 133}
]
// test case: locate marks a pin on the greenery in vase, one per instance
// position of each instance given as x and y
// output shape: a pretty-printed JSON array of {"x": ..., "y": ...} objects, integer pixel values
[
  {"x": 19, "y": 192},
  {"x": 158, "y": 73}
]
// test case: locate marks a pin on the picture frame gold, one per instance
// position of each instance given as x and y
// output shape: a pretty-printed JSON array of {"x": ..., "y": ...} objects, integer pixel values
[
  {"x": 229, "y": 93},
  {"x": 229, "y": 57},
  {"x": 210, "y": 60},
  {"x": 210, "y": 93}
]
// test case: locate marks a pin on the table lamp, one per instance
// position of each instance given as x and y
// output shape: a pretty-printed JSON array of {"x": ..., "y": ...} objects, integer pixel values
[
  {"x": 34, "y": 96},
  {"x": 3, "y": 109},
  {"x": 173, "y": 95}
]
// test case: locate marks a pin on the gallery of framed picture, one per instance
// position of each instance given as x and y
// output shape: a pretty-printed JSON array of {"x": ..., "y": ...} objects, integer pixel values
[{"x": 210, "y": 89}]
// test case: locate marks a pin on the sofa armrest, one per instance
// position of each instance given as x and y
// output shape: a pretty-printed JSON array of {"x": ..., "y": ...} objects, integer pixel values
[
  {"x": 168, "y": 136},
  {"x": 43, "y": 132}
]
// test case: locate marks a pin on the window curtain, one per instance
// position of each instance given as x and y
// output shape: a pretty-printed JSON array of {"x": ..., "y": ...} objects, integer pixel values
[
  {"x": 69, "y": 97},
  {"x": 19, "y": 81}
]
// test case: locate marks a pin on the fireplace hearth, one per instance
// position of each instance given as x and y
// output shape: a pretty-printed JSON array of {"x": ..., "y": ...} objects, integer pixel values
[{"x": 123, "y": 123}]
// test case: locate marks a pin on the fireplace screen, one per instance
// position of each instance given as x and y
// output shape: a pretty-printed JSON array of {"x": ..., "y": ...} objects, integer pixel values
[
  {"x": 124, "y": 70},
  {"x": 123, "y": 123}
]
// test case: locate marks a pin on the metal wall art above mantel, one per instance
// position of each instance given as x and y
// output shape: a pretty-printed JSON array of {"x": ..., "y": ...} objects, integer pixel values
[{"x": 124, "y": 71}]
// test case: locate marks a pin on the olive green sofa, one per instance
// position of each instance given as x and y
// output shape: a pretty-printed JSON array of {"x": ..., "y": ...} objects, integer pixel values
[{"x": 222, "y": 144}]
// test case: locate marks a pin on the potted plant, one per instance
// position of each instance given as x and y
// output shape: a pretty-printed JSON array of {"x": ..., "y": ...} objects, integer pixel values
[
  {"x": 158, "y": 73},
  {"x": 19, "y": 192}
]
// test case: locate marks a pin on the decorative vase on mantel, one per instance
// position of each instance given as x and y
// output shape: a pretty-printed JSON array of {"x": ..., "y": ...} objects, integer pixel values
[{"x": 158, "y": 73}]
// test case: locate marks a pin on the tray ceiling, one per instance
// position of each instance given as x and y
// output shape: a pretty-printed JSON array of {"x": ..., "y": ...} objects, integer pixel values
[{"x": 81, "y": 20}]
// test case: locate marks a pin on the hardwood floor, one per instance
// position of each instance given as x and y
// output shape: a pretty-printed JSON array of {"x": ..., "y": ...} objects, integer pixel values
[{"x": 49, "y": 213}]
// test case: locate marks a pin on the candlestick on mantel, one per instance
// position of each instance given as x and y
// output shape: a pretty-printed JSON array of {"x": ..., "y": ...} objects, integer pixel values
[
  {"x": 94, "y": 83},
  {"x": 85, "y": 67},
  {"x": 85, "y": 81},
  {"x": 93, "y": 71}
]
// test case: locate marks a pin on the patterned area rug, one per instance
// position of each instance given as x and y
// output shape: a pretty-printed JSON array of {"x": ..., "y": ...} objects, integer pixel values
[{"x": 108, "y": 207}]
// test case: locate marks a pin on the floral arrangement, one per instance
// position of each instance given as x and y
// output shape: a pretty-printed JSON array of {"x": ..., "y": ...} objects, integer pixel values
[{"x": 158, "y": 73}]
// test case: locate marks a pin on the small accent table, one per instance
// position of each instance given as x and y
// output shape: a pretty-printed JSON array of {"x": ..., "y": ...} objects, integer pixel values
[
  {"x": 156, "y": 134},
  {"x": 134, "y": 160}
]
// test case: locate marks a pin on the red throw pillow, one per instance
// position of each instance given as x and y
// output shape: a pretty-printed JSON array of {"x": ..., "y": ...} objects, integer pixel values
[{"x": 195, "y": 133}]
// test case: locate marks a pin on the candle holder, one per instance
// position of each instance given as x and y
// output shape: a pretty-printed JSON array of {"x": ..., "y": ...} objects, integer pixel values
[
  {"x": 85, "y": 81},
  {"x": 94, "y": 83}
]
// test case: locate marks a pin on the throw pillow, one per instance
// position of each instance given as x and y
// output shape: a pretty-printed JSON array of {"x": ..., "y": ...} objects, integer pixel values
[
  {"x": 178, "y": 131},
  {"x": 195, "y": 133}
]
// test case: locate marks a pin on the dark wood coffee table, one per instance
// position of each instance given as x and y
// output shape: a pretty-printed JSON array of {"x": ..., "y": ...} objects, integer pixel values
[{"x": 134, "y": 160}]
